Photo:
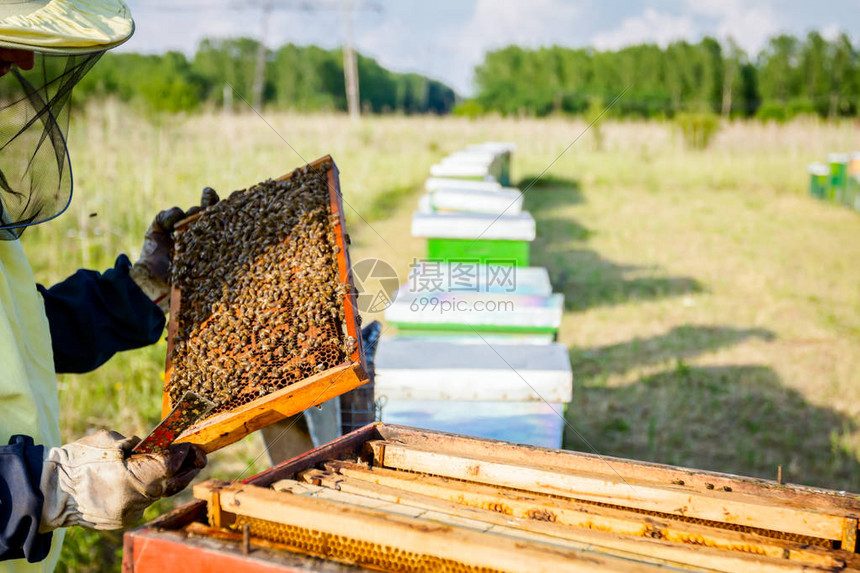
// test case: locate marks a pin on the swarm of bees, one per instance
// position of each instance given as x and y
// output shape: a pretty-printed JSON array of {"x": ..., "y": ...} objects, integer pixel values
[{"x": 261, "y": 301}]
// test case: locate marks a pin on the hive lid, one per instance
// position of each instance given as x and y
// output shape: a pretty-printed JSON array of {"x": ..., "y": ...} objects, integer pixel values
[
  {"x": 507, "y": 227},
  {"x": 505, "y": 201},
  {"x": 434, "y": 183}
]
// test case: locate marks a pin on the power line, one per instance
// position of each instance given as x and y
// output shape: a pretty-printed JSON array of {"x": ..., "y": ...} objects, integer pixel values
[{"x": 350, "y": 61}]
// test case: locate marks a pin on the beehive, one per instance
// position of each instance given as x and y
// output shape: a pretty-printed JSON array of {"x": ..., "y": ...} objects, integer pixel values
[
  {"x": 263, "y": 320},
  {"x": 392, "y": 498}
]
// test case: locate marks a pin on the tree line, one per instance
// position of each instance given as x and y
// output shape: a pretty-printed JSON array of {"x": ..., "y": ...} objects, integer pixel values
[
  {"x": 790, "y": 76},
  {"x": 304, "y": 78}
]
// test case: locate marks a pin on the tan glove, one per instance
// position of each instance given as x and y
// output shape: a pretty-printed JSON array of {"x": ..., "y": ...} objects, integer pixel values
[
  {"x": 95, "y": 483},
  {"x": 151, "y": 272}
]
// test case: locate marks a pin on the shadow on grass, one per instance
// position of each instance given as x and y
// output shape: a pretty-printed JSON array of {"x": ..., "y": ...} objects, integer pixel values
[
  {"x": 583, "y": 275},
  {"x": 386, "y": 202},
  {"x": 587, "y": 280},
  {"x": 560, "y": 189},
  {"x": 682, "y": 342},
  {"x": 736, "y": 419}
]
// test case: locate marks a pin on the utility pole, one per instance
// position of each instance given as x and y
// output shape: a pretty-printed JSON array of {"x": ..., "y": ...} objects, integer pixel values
[
  {"x": 350, "y": 65},
  {"x": 260, "y": 68},
  {"x": 269, "y": 7}
]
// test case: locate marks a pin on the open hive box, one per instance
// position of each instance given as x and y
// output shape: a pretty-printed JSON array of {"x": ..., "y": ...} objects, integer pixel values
[
  {"x": 262, "y": 312},
  {"x": 391, "y": 498}
]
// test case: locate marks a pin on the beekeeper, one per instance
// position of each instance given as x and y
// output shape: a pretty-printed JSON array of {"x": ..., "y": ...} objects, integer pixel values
[{"x": 46, "y": 47}]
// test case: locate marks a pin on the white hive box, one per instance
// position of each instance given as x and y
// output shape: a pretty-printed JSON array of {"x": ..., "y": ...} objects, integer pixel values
[
  {"x": 462, "y": 170},
  {"x": 532, "y": 423},
  {"x": 519, "y": 227},
  {"x": 431, "y": 287},
  {"x": 416, "y": 369},
  {"x": 434, "y": 183},
  {"x": 481, "y": 312},
  {"x": 508, "y": 201},
  {"x": 504, "y": 392},
  {"x": 441, "y": 277}
]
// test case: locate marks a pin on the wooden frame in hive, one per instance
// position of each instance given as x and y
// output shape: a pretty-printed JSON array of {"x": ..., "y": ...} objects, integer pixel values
[
  {"x": 389, "y": 498},
  {"x": 225, "y": 427}
]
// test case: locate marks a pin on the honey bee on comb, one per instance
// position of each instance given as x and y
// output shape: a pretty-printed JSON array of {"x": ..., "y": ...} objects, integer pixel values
[{"x": 261, "y": 297}]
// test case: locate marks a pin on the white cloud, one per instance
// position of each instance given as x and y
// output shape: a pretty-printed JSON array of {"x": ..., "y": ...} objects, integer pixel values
[
  {"x": 452, "y": 50},
  {"x": 750, "y": 23},
  {"x": 650, "y": 26},
  {"x": 831, "y": 31},
  {"x": 497, "y": 23},
  {"x": 396, "y": 46}
]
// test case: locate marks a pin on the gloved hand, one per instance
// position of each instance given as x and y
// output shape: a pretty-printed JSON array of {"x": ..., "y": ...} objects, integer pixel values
[
  {"x": 95, "y": 483},
  {"x": 151, "y": 272}
]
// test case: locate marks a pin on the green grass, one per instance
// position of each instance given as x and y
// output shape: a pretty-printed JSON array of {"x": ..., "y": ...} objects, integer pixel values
[{"x": 712, "y": 309}]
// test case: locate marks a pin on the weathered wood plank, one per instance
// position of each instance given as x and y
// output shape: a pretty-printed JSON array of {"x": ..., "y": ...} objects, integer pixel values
[
  {"x": 421, "y": 537},
  {"x": 849, "y": 535},
  {"x": 538, "y": 508},
  {"x": 561, "y": 460},
  {"x": 224, "y": 429},
  {"x": 739, "y": 508},
  {"x": 657, "y": 552}
]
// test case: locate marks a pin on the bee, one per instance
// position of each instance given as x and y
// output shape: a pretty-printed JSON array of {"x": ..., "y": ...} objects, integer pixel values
[{"x": 260, "y": 268}]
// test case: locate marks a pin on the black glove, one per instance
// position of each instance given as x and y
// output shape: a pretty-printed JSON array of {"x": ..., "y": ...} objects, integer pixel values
[{"x": 151, "y": 272}]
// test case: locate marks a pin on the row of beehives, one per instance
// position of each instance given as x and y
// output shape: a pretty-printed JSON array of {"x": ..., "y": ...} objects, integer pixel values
[
  {"x": 838, "y": 180},
  {"x": 476, "y": 351}
]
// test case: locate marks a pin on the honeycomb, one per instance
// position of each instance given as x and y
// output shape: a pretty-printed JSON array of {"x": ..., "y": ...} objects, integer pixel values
[
  {"x": 261, "y": 302},
  {"x": 772, "y": 533},
  {"x": 353, "y": 551}
]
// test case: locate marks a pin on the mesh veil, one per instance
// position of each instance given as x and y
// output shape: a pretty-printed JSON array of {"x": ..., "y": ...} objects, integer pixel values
[{"x": 35, "y": 170}]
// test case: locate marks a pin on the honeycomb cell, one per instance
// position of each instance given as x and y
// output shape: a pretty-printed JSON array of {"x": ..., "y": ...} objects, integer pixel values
[
  {"x": 352, "y": 551},
  {"x": 261, "y": 298}
]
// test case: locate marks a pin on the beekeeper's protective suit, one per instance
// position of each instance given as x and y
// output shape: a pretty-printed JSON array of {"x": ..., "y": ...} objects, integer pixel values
[{"x": 80, "y": 323}]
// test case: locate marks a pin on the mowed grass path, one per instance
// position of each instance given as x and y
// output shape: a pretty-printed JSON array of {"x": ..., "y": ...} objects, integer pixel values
[{"x": 713, "y": 310}]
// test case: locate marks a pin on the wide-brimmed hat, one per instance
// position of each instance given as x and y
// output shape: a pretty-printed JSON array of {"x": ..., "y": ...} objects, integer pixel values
[{"x": 68, "y": 27}]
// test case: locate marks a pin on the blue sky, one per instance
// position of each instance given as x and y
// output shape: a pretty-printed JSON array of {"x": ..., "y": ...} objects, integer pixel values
[{"x": 446, "y": 38}]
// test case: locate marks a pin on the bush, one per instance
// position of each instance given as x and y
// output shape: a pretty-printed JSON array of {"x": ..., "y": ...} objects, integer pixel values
[
  {"x": 469, "y": 108},
  {"x": 798, "y": 107},
  {"x": 772, "y": 112},
  {"x": 698, "y": 129},
  {"x": 594, "y": 115}
]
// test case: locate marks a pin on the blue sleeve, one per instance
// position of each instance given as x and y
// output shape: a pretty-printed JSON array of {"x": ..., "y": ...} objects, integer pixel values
[
  {"x": 93, "y": 316},
  {"x": 21, "y": 501}
]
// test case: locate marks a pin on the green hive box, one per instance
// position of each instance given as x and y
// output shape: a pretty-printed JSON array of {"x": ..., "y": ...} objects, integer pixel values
[
  {"x": 819, "y": 180},
  {"x": 492, "y": 251},
  {"x": 838, "y": 176}
]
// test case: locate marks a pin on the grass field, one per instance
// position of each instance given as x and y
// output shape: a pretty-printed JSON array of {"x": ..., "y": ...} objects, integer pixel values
[{"x": 713, "y": 310}]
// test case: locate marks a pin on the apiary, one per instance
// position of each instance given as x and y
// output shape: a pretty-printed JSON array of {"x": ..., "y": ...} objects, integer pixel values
[
  {"x": 393, "y": 498},
  {"x": 263, "y": 320}
]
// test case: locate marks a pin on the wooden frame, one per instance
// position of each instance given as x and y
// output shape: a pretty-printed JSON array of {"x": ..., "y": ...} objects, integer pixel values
[
  {"x": 224, "y": 428},
  {"x": 518, "y": 506},
  {"x": 431, "y": 539},
  {"x": 828, "y": 513},
  {"x": 484, "y": 503}
]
